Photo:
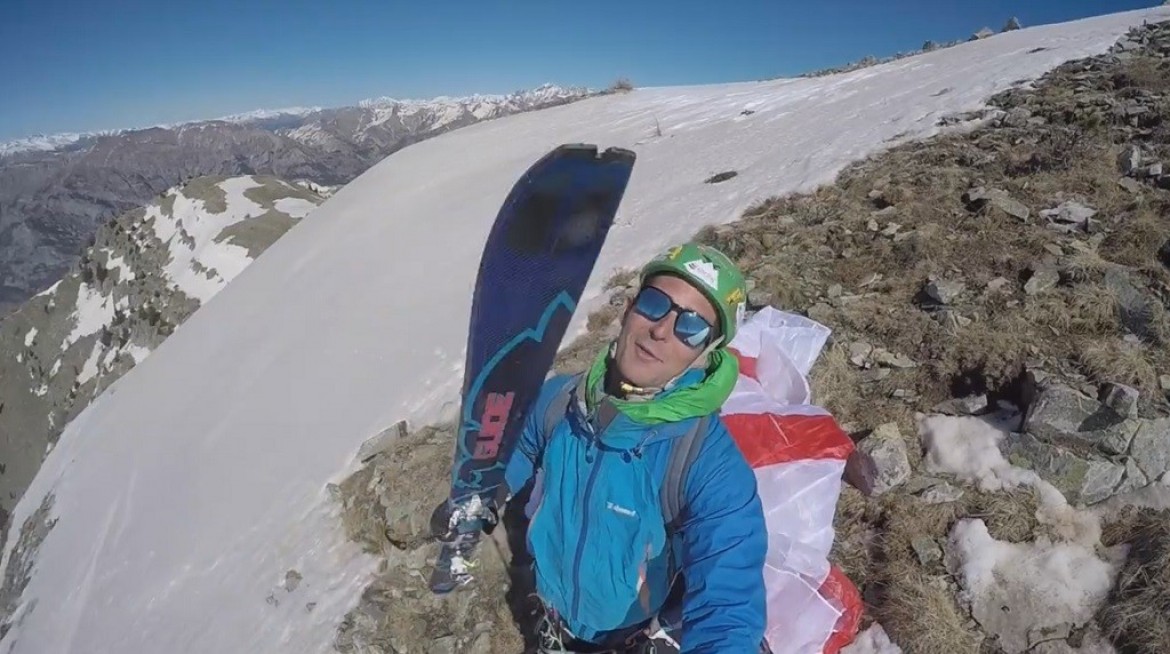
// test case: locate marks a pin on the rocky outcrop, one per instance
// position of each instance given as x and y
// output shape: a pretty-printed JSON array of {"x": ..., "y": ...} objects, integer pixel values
[{"x": 145, "y": 273}]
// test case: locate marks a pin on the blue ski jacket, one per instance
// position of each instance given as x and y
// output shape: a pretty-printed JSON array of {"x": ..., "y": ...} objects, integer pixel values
[{"x": 604, "y": 561}]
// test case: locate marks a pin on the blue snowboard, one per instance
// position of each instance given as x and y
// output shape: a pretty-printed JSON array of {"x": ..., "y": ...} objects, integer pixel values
[{"x": 535, "y": 264}]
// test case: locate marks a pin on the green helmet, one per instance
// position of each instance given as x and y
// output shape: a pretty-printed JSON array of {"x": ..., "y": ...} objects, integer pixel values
[{"x": 713, "y": 273}]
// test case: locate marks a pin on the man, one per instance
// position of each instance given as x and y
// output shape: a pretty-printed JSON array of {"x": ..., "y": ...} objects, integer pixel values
[{"x": 606, "y": 566}]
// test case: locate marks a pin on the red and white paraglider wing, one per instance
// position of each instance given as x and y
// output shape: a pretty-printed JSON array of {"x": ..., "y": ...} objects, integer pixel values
[{"x": 798, "y": 452}]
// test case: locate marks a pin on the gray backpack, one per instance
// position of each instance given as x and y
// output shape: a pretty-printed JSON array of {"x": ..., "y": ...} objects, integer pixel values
[{"x": 682, "y": 456}]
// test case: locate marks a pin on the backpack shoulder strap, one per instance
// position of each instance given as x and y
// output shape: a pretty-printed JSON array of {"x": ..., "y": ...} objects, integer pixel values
[
  {"x": 555, "y": 411},
  {"x": 682, "y": 457}
]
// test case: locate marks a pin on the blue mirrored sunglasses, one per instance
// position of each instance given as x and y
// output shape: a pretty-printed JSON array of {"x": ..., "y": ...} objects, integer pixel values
[{"x": 690, "y": 328}]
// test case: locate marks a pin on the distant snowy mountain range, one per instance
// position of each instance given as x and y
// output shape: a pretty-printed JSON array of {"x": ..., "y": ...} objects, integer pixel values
[
  {"x": 56, "y": 190},
  {"x": 481, "y": 106}
]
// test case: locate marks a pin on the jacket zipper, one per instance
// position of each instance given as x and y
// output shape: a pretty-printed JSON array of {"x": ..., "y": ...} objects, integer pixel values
[{"x": 576, "y": 606}]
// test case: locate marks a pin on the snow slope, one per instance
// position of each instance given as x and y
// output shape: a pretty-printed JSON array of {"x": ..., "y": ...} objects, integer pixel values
[{"x": 189, "y": 488}]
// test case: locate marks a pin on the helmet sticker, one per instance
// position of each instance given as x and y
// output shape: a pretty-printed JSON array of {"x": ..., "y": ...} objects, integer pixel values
[{"x": 705, "y": 271}]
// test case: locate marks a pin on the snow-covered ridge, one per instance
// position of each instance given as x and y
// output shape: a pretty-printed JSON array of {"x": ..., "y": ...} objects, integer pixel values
[
  {"x": 146, "y": 272},
  {"x": 261, "y": 114},
  {"x": 544, "y": 92},
  {"x": 540, "y": 95},
  {"x": 198, "y": 481}
]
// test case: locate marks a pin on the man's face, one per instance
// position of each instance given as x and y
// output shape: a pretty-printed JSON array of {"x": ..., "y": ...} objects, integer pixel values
[{"x": 648, "y": 353}]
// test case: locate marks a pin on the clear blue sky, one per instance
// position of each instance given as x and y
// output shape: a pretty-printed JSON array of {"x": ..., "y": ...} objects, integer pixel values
[{"x": 93, "y": 64}]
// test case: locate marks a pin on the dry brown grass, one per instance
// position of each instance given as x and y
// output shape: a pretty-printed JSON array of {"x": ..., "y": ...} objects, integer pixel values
[
  {"x": 920, "y": 614},
  {"x": 1009, "y": 515},
  {"x": 1114, "y": 359},
  {"x": 915, "y": 604},
  {"x": 834, "y": 383},
  {"x": 1138, "y": 236},
  {"x": 1137, "y": 617},
  {"x": 621, "y": 278},
  {"x": 854, "y": 542},
  {"x": 604, "y": 318},
  {"x": 914, "y": 601}
]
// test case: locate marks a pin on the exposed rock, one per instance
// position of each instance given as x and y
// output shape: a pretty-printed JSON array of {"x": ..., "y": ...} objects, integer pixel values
[
  {"x": 1069, "y": 216},
  {"x": 952, "y": 319},
  {"x": 944, "y": 291},
  {"x": 1137, "y": 309},
  {"x": 292, "y": 580},
  {"x": 1062, "y": 415},
  {"x": 980, "y": 197},
  {"x": 1043, "y": 278},
  {"x": 1012, "y": 24},
  {"x": 1129, "y": 160},
  {"x": 874, "y": 375},
  {"x": 835, "y": 291},
  {"x": 1154, "y": 169},
  {"x": 879, "y": 199},
  {"x": 890, "y": 360},
  {"x": 962, "y": 406},
  {"x": 982, "y": 34},
  {"x": 822, "y": 313},
  {"x": 859, "y": 353},
  {"x": 887, "y": 449},
  {"x": 1130, "y": 184},
  {"x": 381, "y": 442},
  {"x": 919, "y": 483},
  {"x": 941, "y": 494},
  {"x": 761, "y": 297},
  {"x": 1121, "y": 398},
  {"x": 1017, "y": 117},
  {"x": 997, "y": 284},
  {"x": 1134, "y": 478},
  {"x": 22, "y": 558},
  {"x": 1150, "y": 448},
  {"x": 1164, "y": 382},
  {"x": 720, "y": 177},
  {"x": 926, "y": 549},
  {"x": 1084, "y": 479},
  {"x": 1164, "y": 254}
]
